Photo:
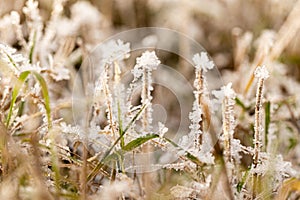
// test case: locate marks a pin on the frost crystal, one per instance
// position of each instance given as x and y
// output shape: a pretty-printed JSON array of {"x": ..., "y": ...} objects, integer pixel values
[
  {"x": 202, "y": 62},
  {"x": 12, "y": 58},
  {"x": 195, "y": 118},
  {"x": 162, "y": 129},
  {"x": 148, "y": 60},
  {"x": 226, "y": 91},
  {"x": 15, "y": 17},
  {"x": 114, "y": 51},
  {"x": 261, "y": 72},
  {"x": 32, "y": 10},
  {"x": 143, "y": 68}
]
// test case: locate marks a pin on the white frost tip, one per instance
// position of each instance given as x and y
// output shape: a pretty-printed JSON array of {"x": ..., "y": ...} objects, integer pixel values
[
  {"x": 228, "y": 91},
  {"x": 115, "y": 51},
  {"x": 202, "y": 61},
  {"x": 148, "y": 60},
  {"x": 261, "y": 72}
]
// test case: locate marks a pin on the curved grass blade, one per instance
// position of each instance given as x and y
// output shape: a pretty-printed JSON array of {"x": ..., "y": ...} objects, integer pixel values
[
  {"x": 241, "y": 104},
  {"x": 45, "y": 93},
  {"x": 15, "y": 93},
  {"x": 139, "y": 141}
]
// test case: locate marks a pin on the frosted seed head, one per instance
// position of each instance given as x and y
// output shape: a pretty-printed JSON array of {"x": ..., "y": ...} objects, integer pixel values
[
  {"x": 148, "y": 60},
  {"x": 31, "y": 9},
  {"x": 261, "y": 72},
  {"x": 228, "y": 91},
  {"x": 202, "y": 61},
  {"x": 115, "y": 51}
]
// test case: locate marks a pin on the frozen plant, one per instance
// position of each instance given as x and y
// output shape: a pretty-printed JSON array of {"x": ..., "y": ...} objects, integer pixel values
[
  {"x": 262, "y": 74},
  {"x": 114, "y": 51},
  {"x": 201, "y": 64},
  {"x": 143, "y": 68},
  {"x": 231, "y": 147}
]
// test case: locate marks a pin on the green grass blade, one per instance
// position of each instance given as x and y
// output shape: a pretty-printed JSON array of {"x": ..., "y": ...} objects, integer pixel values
[
  {"x": 241, "y": 104},
  {"x": 241, "y": 184},
  {"x": 139, "y": 141},
  {"x": 45, "y": 93},
  {"x": 15, "y": 93}
]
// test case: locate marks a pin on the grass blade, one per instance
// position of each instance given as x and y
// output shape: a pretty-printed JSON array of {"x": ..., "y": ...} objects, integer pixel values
[
  {"x": 139, "y": 141},
  {"x": 15, "y": 93},
  {"x": 45, "y": 93}
]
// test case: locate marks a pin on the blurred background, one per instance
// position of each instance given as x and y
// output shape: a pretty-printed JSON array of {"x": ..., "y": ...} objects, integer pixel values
[{"x": 216, "y": 24}]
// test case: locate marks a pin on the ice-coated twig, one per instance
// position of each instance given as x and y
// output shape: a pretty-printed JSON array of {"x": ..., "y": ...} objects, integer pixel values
[
  {"x": 202, "y": 64},
  {"x": 262, "y": 74},
  {"x": 143, "y": 68}
]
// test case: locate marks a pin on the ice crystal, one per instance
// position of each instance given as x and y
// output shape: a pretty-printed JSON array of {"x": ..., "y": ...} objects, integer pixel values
[
  {"x": 195, "y": 117},
  {"x": 279, "y": 168},
  {"x": 145, "y": 64},
  {"x": 261, "y": 72},
  {"x": 162, "y": 129},
  {"x": 10, "y": 56},
  {"x": 202, "y": 61},
  {"x": 32, "y": 10},
  {"x": 148, "y": 60},
  {"x": 114, "y": 51}
]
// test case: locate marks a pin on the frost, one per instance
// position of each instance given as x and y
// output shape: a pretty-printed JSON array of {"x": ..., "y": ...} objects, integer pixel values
[
  {"x": 145, "y": 64},
  {"x": 15, "y": 17},
  {"x": 226, "y": 91},
  {"x": 32, "y": 10},
  {"x": 60, "y": 73},
  {"x": 10, "y": 56},
  {"x": 83, "y": 12},
  {"x": 148, "y": 60},
  {"x": 279, "y": 168},
  {"x": 195, "y": 117},
  {"x": 114, "y": 51},
  {"x": 236, "y": 148},
  {"x": 202, "y": 62},
  {"x": 162, "y": 129},
  {"x": 261, "y": 72}
]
